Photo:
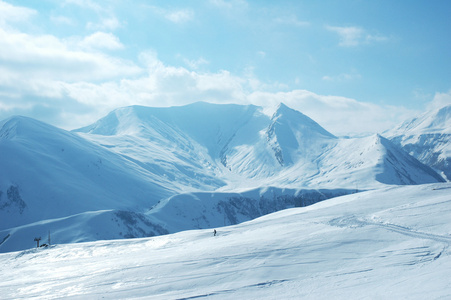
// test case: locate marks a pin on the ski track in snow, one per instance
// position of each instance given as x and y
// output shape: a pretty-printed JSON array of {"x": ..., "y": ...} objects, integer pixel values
[{"x": 353, "y": 221}]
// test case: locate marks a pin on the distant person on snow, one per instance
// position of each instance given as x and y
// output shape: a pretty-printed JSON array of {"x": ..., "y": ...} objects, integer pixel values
[{"x": 214, "y": 232}]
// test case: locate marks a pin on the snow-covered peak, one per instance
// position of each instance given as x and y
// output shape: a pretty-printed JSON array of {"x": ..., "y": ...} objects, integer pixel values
[
  {"x": 436, "y": 121},
  {"x": 18, "y": 125},
  {"x": 298, "y": 121},
  {"x": 427, "y": 138}
]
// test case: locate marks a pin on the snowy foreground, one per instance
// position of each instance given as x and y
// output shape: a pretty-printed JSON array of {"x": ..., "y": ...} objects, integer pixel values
[{"x": 384, "y": 244}]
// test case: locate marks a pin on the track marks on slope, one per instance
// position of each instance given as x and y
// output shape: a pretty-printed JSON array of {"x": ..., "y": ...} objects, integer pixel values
[
  {"x": 256, "y": 285},
  {"x": 352, "y": 221}
]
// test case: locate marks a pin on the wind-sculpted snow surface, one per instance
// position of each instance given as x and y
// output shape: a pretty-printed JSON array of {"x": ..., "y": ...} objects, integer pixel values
[{"x": 391, "y": 243}]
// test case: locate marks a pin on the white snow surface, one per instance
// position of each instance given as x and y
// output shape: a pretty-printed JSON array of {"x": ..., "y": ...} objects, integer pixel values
[{"x": 391, "y": 243}]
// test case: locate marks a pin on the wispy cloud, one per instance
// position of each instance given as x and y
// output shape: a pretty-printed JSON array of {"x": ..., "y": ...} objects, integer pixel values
[
  {"x": 110, "y": 23},
  {"x": 354, "y": 36},
  {"x": 292, "y": 20},
  {"x": 174, "y": 15},
  {"x": 230, "y": 4},
  {"x": 86, "y": 4},
  {"x": 440, "y": 100},
  {"x": 179, "y": 16},
  {"x": 101, "y": 40},
  {"x": 343, "y": 77},
  {"x": 195, "y": 63},
  {"x": 106, "y": 19},
  {"x": 62, "y": 20}
]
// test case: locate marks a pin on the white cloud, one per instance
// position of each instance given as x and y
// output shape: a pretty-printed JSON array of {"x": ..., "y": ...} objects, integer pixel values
[
  {"x": 107, "y": 20},
  {"x": 343, "y": 77},
  {"x": 292, "y": 20},
  {"x": 179, "y": 16},
  {"x": 175, "y": 16},
  {"x": 440, "y": 100},
  {"x": 87, "y": 4},
  {"x": 46, "y": 56},
  {"x": 101, "y": 40},
  {"x": 354, "y": 36},
  {"x": 109, "y": 24},
  {"x": 196, "y": 63},
  {"x": 349, "y": 36},
  {"x": 62, "y": 20},
  {"x": 230, "y": 4},
  {"x": 261, "y": 54},
  {"x": 11, "y": 13},
  {"x": 41, "y": 71}
]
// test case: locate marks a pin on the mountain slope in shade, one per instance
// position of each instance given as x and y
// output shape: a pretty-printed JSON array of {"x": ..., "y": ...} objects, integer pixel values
[
  {"x": 427, "y": 138},
  {"x": 47, "y": 172}
]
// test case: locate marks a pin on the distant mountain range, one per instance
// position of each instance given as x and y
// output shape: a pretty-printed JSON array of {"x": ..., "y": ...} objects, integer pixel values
[{"x": 143, "y": 171}]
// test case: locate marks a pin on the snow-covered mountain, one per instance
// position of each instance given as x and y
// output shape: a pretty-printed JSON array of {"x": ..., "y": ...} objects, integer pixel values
[
  {"x": 239, "y": 147},
  {"x": 100, "y": 181},
  {"x": 47, "y": 172},
  {"x": 391, "y": 243},
  {"x": 427, "y": 138}
]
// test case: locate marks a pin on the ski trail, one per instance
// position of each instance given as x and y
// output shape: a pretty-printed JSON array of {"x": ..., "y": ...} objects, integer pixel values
[
  {"x": 412, "y": 233},
  {"x": 353, "y": 222}
]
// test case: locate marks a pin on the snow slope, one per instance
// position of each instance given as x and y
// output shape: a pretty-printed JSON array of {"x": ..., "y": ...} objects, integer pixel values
[
  {"x": 48, "y": 173},
  {"x": 427, "y": 138},
  {"x": 391, "y": 243}
]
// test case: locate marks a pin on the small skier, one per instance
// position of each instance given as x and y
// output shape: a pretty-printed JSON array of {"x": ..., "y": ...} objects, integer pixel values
[{"x": 214, "y": 232}]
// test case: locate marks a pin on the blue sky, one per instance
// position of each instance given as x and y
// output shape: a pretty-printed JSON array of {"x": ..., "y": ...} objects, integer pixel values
[{"x": 354, "y": 66}]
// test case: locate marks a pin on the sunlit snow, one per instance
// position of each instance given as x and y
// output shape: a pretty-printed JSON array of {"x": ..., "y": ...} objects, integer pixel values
[{"x": 386, "y": 244}]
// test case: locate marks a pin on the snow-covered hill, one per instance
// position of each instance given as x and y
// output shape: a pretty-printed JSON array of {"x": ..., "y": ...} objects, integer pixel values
[
  {"x": 427, "y": 138},
  {"x": 100, "y": 181},
  {"x": 391, "y": 243},
  {"x": 181, "y": 212},
  {"x": 47, "y": 172}
]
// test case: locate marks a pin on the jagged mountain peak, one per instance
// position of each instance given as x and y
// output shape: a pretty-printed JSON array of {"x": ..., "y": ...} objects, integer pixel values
[
  {"x": 427, "y": 138},
  {"x": 436, "y": 121},
  {"x": 297, "y": 121}
]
